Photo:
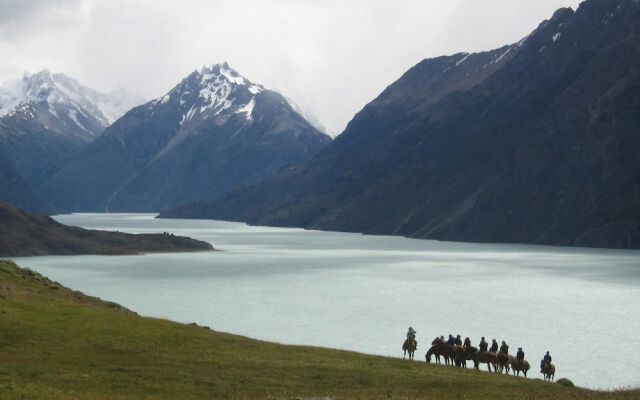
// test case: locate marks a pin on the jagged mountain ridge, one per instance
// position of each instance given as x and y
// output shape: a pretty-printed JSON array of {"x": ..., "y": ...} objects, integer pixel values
[
  {"x": 57, "y": 89},
  {"x": 213, "y": 132},
  {"x": 45, "y": 119},
  {"x": 542, "y": 150}
]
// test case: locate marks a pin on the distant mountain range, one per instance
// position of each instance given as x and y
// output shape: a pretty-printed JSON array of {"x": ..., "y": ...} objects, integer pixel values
[
  {"x": 536, "y": 142},
  {"x": 214, "y": 132},
  {"x": 45, "y": 119}
]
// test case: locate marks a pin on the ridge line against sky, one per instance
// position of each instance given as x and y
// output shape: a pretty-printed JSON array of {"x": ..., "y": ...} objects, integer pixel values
[{"x": 331, "y": 57}]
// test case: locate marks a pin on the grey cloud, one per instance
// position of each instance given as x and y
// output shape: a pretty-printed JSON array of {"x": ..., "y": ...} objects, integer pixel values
[{"x": 331, "y": 56}]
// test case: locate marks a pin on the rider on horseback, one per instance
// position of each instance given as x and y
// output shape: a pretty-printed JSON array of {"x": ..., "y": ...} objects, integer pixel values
[
  {"x": 504, "y": 348},
  {"x": 467, "y": 343},
  {"x": 458, "y": 340},
  {"x": 520, "y": 355},
  {"x": 411, "y": 334},
  {"x": 451, "y": 341},
  {"x": 545, "y": 360},
  {"x": 494, "y": 346},
  {"x": 483, "y": 345}
]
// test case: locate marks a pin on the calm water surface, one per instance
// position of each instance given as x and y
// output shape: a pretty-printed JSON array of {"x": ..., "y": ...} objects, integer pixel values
[{"x": 360, "y": 292}]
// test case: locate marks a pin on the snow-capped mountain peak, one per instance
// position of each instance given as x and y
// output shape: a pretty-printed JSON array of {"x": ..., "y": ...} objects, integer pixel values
[
  {"x": 214, "y": 91},
  {"x": 58, "y": 90}
]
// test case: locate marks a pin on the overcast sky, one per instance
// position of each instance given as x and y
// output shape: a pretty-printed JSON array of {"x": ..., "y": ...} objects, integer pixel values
[{"x": 330, "y": 56}]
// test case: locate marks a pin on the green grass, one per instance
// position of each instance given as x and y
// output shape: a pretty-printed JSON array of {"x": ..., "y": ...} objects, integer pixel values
[{"x": 59, "y": 344}]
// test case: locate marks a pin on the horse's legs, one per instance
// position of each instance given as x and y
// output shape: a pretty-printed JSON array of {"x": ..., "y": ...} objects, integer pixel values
[{"x": 404, "y": 355}]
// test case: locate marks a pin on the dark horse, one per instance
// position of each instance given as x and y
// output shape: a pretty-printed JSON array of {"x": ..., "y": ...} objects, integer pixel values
[
  {"x": 548, "y": 371},
  {"x": 440, "y": 349},
  {"x": 484, "y": 357},
  {"x": 410, "y": 347},
  {"x": 503, "y": 362},
  {"x": 461, "y": 354}
]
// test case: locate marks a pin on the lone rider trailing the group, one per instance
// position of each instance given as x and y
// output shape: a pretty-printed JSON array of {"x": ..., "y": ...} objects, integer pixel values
[
  {"x": 411, "y": 334},
  {"x": 520, "y": 356},
  {"x": 504, "y": 348},
  {"x": 483, "y": 345},
  {"x": 545, "y": 360},
  {"x": 494, "y": 346},
  {"x": 467, "y": 343},
  {"x": 458, "y": 340}
]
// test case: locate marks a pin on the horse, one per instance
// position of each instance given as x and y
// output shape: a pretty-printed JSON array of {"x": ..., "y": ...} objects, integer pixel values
[
  {"x": 410, "y": 347},
  {"x": 548, "y": 371},
  {"x": 485, "y": 357},
  {"x": 503, "y": 362},
  {"x": 461, "y": 354},
  {"x": 440, "y": 349},
  {"x": 517, "y": 366}
]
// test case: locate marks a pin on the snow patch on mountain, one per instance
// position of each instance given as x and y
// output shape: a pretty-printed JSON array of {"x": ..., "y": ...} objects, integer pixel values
[
  {"x": 463, "y": 59},
  {"x": 248, "y": 108},
  {"x": 46, "y": 87}
]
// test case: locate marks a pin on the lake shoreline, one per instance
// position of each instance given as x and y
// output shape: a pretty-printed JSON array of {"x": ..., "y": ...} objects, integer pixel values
[{"x": 340, "y": 281}]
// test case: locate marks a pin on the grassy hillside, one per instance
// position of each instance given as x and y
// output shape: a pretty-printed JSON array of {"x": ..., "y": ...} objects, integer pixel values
[
  {"x": 59, "y": 344},
  {"x": 27, "y": 234}
]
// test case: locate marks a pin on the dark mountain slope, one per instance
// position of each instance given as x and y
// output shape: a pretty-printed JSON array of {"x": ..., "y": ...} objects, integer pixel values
[
  {"x": 14, "y": 190},
  {"x": 214, "y": 132},
  {"x": 544, "y": 150},
  {"x": 25, "y": 234},
  {"x": 47, "y": 118}
]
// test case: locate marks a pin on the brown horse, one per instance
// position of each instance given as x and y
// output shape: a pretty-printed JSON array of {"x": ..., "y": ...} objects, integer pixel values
[
  {"x": 503, "y": 362},
  {"x": 548, "y": 371},
  {"x": 485, "y": 357},
  {"x": 410, "y": 347},
  {"x": 440, "y": 349},
  {"x": 461, "y": 354},
  {"x": 517, "y": 366}
]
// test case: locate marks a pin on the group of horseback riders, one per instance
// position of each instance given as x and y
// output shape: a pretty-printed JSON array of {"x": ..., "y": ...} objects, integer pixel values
[{"x": 483, "y": 346}]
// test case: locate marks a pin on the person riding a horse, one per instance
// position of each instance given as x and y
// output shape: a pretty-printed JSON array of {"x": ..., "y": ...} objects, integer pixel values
[
  {"x": 458, "y": 340},
  {"x": 483, "y": 345},
  {"x": 451, "y": 341},
  {"x": 545, "y": 360},
  {"x": 494, "y": 346},
  {"x": 411, "y": 334},
  {"x": 520, "y": 355},
  {"x": 504, "y": 348},
  {"x": 467, "y": 343}
]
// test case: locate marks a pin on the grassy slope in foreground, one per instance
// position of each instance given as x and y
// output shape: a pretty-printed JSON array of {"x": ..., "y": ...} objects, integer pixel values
[
  {"x": 60, "y": 344},
  {"x": 27, "y": 234}
]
